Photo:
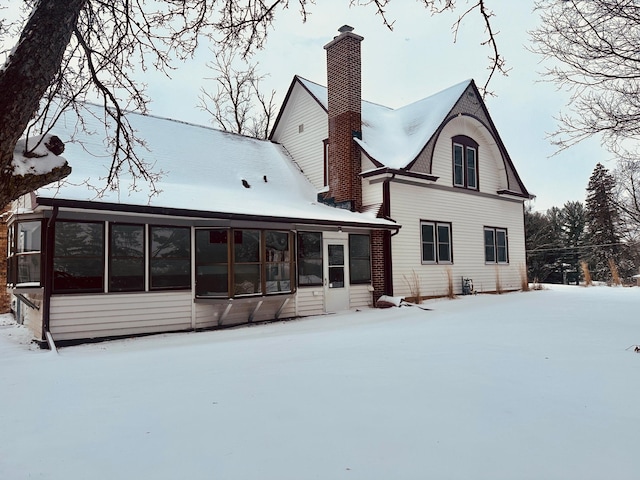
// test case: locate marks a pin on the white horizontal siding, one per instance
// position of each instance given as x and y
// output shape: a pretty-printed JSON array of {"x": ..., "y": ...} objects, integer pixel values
[
  {"x": 468, "y": 214},
  {"x": 372, "y": 193},
  {"x": 306, "y": 147},
  {"x": 360, "y": 296},
  {"x": 241, "y": 311},
  {"x": 309, "y": 301},
  {"x": 92, "y": 316}
]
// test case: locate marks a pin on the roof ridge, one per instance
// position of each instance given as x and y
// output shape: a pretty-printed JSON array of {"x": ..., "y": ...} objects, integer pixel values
[{"x": 175, "y": 120}]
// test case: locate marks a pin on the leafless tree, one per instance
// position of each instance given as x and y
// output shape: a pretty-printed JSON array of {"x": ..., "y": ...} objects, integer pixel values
[
  {"x": 238, "y": 105},
  {"x": 591, "y": 47},
  {"x": 77, "y": 50}
]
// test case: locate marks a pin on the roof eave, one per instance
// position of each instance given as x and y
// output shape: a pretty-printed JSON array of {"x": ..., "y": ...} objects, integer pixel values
[{"x": 204, "y": 214}]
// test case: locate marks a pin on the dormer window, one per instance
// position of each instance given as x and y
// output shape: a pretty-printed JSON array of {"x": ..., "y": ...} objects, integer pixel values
[{"x": 465, "y": 162}]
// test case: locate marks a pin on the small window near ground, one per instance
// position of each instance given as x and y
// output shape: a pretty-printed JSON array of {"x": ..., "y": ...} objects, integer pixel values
[
  {"x": 78, "y": 257},
  {"x": 126, "y": 258},
  {"x": 436, "y": 242},
  {"x": 496, "y": 245},
  {"x": 309, "y": 258},
  {"x": 359, "y": 258},
  {"x": 170, "y": 257}
]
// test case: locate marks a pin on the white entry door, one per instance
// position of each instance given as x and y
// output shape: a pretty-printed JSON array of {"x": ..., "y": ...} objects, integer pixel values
[{"x": 336, "y": 276}]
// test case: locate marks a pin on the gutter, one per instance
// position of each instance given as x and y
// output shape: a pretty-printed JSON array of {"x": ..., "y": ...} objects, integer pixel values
[{"x": 203, "y": 214}]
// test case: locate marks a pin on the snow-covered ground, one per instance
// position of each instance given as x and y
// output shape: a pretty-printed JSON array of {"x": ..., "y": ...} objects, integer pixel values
[{"x": 537, "y": 385}]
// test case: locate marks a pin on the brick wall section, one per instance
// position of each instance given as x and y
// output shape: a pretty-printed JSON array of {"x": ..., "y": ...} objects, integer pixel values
[
  {"x": 378, "y": 274},
  {"x": 5, "y": 299},
  {"x": 344, "y": 105}
]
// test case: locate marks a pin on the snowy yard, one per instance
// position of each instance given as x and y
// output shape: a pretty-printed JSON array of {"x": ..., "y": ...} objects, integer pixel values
[{"x": 536, "y": 385}]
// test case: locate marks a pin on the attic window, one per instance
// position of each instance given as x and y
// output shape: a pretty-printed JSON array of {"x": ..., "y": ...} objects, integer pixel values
[
  {"x": 301, "y": 128},
  {"x": 465, "y": 162}
]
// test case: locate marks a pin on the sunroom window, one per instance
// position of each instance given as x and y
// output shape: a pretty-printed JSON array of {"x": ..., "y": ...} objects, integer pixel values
[
  {"x": 23, "y": 259},
  {"x": 78, "y": 257},
  {"x": 212, "y": 263},
  {"x": 126, "y": 258},
  {"x": 170, "y": 257},
  {"x": 309, "y": 258},
  {"x": 239, "y": 262},
  {"x": 246, "y": 257},
  {"x": 277, "y": 262}
]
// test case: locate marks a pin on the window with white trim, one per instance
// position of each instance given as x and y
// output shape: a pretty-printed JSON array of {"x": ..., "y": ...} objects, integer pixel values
[
  {"x": 465, "y": 162},
  {"x": 496, "y": 245},
  {"x": 436, "y": 242}
]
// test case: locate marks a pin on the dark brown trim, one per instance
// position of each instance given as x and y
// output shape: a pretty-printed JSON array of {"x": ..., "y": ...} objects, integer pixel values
[
  {"x": 363, "y": 150},
  {"x": 203, "y": 214},
  {"x": 47, "y": 252},
  {"x": 325, "y": 164},
  {"x": 387, "y": 236},
  {"x": 388, "y": 264},
  {"x": 516, "y": 194},
  {"x": 404, "y": 173}
]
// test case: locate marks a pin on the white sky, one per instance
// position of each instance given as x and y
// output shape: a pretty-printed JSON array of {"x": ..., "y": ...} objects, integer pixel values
[{"x": 416, "y": 60}]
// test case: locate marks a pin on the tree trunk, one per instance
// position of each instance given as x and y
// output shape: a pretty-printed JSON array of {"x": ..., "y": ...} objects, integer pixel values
[{"x": 29, "y": 70}]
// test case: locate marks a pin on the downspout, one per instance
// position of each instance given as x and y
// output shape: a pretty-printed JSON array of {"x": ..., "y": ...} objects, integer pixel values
[
  {"x": 48, "y": 278},
  {"x": 386, "y": 205}
]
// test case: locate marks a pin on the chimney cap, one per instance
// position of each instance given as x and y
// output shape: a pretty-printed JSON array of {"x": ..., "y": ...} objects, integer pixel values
[{"x": 345, "y": 28}]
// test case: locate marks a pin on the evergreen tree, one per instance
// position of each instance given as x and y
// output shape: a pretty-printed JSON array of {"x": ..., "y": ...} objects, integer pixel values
[
  {"x": 602, "y": 223},
  {"x": 573, "y": 232},
  {"x": 541, "y": 244}
]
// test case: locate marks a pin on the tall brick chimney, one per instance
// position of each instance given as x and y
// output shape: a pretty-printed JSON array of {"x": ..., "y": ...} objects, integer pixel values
[{"x": 344, "y": 99}]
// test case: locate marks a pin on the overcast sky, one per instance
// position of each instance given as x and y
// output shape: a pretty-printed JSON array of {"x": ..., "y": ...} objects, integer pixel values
[{"x": 416, "y": 59}]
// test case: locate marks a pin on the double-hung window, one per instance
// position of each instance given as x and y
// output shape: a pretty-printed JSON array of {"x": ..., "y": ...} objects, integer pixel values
[
  {"x": 436, "y": 242},
  {"x": 359, "y": 258},
  {"x": 465, "y": 162},
  {"x": 496, "y": 245}
]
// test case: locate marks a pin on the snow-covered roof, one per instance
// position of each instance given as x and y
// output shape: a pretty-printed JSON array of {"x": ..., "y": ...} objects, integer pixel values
[
  {"x": 395, "y": 137},
  {"x": 203, "y": 169}
]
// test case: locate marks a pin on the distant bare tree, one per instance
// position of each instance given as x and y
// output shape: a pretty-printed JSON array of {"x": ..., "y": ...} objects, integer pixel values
[
  {"x": 592, "y": 49},
  {"x": 238, "y": 105},
  {"x": 76, "y": 50}
]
